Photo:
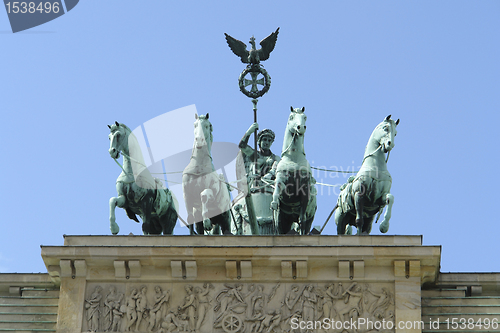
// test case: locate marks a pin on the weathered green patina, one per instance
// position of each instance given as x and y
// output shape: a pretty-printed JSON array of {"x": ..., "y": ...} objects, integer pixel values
[
  {"x": 258, "y": 176},
  {"x": 257, "y": 187},
  {"x": 368, "y": 192},
  {"x": 294, "y": 197},
  {"x": 205, "y": 192},
  {"x": 138, "y": 192}
]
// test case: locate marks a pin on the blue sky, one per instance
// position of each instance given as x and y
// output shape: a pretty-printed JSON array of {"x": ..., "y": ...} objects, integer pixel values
[{"x": 432, "y": 64}]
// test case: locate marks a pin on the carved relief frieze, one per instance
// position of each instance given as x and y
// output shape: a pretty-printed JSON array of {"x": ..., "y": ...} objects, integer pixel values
[{"x": 233, "y": 307}]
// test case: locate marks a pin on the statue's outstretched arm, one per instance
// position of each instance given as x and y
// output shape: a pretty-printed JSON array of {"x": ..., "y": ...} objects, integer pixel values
[{"x": 243, "y": 145}]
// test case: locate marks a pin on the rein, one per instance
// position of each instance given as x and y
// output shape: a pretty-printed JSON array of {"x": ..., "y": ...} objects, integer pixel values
[
  {"x": 339, "y": 171},
  {"x": 291, "y": 141},
  {"x": 129, "y": 157},
  {"x": 132, "y": 159},
  {"x": 121, "y": 167},
  {"x": 370, "y": 155}
]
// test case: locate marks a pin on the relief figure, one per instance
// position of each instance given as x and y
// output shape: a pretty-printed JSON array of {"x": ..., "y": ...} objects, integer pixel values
[
  {"x": 93, "y": 312},
  {"x": 156, "y": 313}
]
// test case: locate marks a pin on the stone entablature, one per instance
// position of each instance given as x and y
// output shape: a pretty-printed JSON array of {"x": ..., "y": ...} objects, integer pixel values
[
  {"x": 384, "y": 273},
  {"x": 229, "y": 257}
]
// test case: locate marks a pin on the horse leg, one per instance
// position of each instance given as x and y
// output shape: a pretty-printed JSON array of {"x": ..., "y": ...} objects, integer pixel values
[
  {"x": 312, "y": 205},
  {"x": 113, "y": 203},
  {"x": 341, "y": 220},
  {"x": 358, "y": 203},
  {"x": 150, "y": 220},
  {"x": 367, "y": 225},
  {"x": 198, "y": 223},
  {"x": 309, "y": 224},
  {"x": 384, "y": 226},
  {"x": 147, "y": 223},
  {"x": 279, "y": 187},
  {"x": 215, "y": 228},
  {"x": 305, "y": 224},
  {"x": 225, "y": 222},
  {"x": 282, "y": 222},
  {"x": 190, "y": 216},
  {"x": 169, "y": 220},
  {"x": 206, "y": 195},
  {"x": 190, "y": 197},
  {"x": 155, "y": 227},
  {"x": 200, "y": 230}
]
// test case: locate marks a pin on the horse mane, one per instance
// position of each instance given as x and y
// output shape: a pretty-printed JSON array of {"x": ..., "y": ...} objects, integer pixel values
[
  {"x": 142, "y": 176},
  {"x": 126, "y": 127}
]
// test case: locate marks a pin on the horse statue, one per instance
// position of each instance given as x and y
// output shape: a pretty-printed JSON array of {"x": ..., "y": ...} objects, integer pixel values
[
  {"x": 138, "y": 192},
  {"x": 205, "y": 192},
  {"x": 294, "y": 196},
  {"x": 368, "y": 192}
]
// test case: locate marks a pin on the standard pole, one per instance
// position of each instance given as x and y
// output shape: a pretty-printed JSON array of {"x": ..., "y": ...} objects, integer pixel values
[
  {"x": 254, "y": 101},
  {"x": 248, "y": 199},
  {"x": 328, "y": 219}
]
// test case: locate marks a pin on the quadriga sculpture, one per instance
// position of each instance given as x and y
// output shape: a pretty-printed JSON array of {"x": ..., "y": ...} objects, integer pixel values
[
  {"x": 368, "y": 192},
  {"x": 138, "y": 192},
  {"x": 205, "y": 193},
  {"x": 294, "y": 197}
]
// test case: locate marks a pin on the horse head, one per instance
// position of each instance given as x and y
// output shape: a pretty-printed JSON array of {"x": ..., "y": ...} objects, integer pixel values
[
  {"x": 385, "y": 132},
  {"x": 203, "y": 132},
  {"x": 294, "y": 133},
  {"x": 117, "y": 139},
  {"x": 297, "y": 121}
]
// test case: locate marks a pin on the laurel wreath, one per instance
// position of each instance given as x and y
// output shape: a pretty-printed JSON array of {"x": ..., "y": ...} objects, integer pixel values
[{"x": 254, "y": 69}]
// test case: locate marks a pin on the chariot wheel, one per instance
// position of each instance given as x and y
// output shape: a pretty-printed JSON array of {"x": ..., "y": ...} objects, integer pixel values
[{"x": 231, "y": 323}]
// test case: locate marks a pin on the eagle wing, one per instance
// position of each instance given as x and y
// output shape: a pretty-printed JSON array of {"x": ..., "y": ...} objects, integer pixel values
[
  {"x": 238, "y": 47},
  {"x": 267, "y": 44}
]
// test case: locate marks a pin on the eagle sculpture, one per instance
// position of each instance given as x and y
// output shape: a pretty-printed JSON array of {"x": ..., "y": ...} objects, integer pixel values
[{"x": 253, "y": 56}]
